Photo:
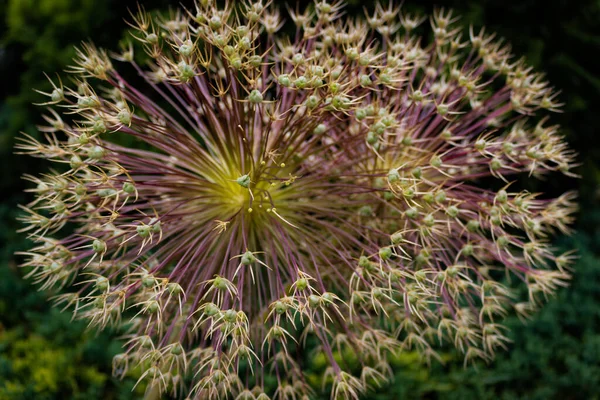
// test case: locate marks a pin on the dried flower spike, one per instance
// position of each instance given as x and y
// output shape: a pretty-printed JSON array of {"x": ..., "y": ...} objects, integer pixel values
[{"x": 322, "y": 186}]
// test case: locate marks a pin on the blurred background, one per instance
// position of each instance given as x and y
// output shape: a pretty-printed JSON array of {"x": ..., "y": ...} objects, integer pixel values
[{"x": 556, "y": 354}]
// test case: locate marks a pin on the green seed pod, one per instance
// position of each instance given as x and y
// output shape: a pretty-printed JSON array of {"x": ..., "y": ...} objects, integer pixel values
[
  {"x": 244, "y": 43},
  {"x": 83, "y": 138},
  {"x": 452, "y": 211},
  {"x": 146, "y": 342},
  {"x": 102, "y": 284},
  {"x": 211, "y": 310},
  {"x": 236, "y": 62},
  {"x": 174, "y": 288},
  {"x": 372, "y": 138},
  {"x": 446, "y": 134},
  {"x": 301, "y": 82},
  {"x": 396, "y": 238},
  {"x": 301, "y": 284},
  {"x": 284, "y": 80},
  {"x": 340, "y": 102},
  {"x": 148, "y": 281},
  {"x": 428, "y": 197},
  {"x": 320, "y": 129},
  {"x": 495, "y": 164},
  {"x": 53, "y": 268},
  {"x": 230, "y": 316},
  {"x": 334, "y": 87},
  {"x": 357, "y": 298},
  {"x": 385, "y": 78},
  {"x": 385, "y": 253},
  {"x": 440, "y": 196},
  {"x": 229, "y": 50},
  {"x": 98, "y": 126},
  {"x": 314, "y": 300},
  {"x": 502, "y": 196},
  {"x": 152, "y": 38},
  {"x": 378, "y": 293},
  {"x": 467, "y": 250},
  {"x": 243, "y": 181},
  {"x": 440, "y": 276},
  {"x": 99, "y": 303},
  {"x": 244, "y": 352},
  {"x": 280, "y": 307},
  {"x": 186, "y": 72},
  {"x": 363, "y": 262},
  {"x": 124, "y": 117},
  {"x": 417, "y": 96},
  {"x": 255, "y": 96},
  {"x": 128, "y": 187},
  {"x": 312, "y": 101},
  {"x": 316, "y": 82},
  {"x": 215, "y": 22},
  {"x": 393, "y": 176},
  {"x": 242, "y": 30},
  {"x": 298, "y": 59},
  {"x": 364, "y": 60},
  {"x": 327, "y": 298},
  {"x": 57, "y": 95},
  {"x": 436, "y": 161},
  {"x": 153, "y": 307},
  {"x": 452, "y": 271},
  {"x": 411, "y": 213},
  {"x": 59, "y": 207},
  {"x": 352, "y": 53},
  {"x": 365, "y": 80},
  {"x": 508, "y": 147},
  {"x": 422, "y": 258},
  {"x": 96, "y": 153},
  {"x": 107, "y": 192},
  {"x": 99, "y": 246},
  {"x": 480, "y": 145},
  {"x": 442, "y": 109},
  {"x": 473, "y": 225},
  {"x": 87, "y": 102},
  {"x": 429, "y": 220},
  {"x": 75, "y": 162},
  {"x": 379, "y": 128},
  {"x": 324, "y": 7},
  {"x": 186, "y": 48},
  {"x": 220, "y": 283},
  {"x": 360, "y": 114},
  {"x": 80, "y": 189},
  {"x": 503, "y": 241},
  {"x": 143, "y": 231},
  {"x": 248, "y": 258},
  {"x": 253, "y": 16},
  {"x": 177, "y": 349},
  {"x": 255, "y": 60}
]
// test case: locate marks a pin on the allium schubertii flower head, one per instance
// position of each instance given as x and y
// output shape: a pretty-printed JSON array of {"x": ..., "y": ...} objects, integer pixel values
[{"x": 347, "y": 190}]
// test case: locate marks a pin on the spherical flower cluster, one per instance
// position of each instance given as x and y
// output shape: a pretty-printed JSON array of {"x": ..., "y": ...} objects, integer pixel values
[{"x": 243, "y": 195}]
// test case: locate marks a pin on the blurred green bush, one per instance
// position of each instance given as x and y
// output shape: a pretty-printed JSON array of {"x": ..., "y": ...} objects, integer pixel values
[{"x": 45, "y": 355}]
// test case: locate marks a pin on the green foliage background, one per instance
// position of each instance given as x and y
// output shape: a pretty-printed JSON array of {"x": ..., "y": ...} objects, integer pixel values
[{"x": 45, "y": 355}]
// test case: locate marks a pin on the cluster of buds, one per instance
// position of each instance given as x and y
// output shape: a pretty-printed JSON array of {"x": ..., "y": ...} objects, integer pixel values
[{"x": 350, "y": 188}]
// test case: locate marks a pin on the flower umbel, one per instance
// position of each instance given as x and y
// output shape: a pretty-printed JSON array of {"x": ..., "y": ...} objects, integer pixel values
[{"x": 327, "y": 186}]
